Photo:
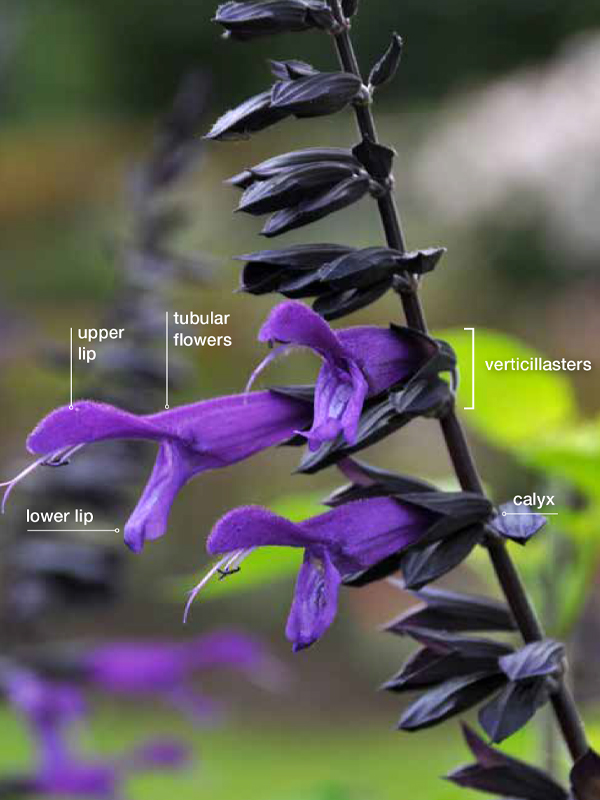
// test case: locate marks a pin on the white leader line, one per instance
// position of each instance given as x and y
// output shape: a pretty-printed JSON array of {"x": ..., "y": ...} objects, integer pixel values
[
  {"x": 71, "y": 369},
  {"x": 66, "y": 530},
  {"x": 167, "y": 359},
  {"x": 472, "y": 406}
]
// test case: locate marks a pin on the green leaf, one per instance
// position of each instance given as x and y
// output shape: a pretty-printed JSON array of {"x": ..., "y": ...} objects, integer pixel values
[
  {"x": 572, "y": 455},
  {"x": 512, "y": 408},
  {"x": 263, "y": 566},
  {"x": 328, "y": 792},
  {"x": 593, "y": 731},
  {"x": 298, "y": 506},
  {"x": 576, "y": 585}
]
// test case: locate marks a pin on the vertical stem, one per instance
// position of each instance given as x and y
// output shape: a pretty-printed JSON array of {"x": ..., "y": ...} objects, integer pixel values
[
  {"x": 550, "y": 743},
  {"x": 549, "y": 734},
  {"x": 456, "y": 441}
]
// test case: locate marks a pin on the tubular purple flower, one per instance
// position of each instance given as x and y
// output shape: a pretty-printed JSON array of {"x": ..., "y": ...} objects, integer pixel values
[
  {"x": 337, "y": 544},
  {"x": 193, "y": 439},
  {"x": 358, "y": 363}
]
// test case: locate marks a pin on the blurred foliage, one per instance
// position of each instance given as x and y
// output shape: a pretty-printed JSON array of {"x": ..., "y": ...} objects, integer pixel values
[
  {"x": 571, "y": 458},
  {"x": 571, "y": 454},
  {"x": 364, "y": 762},
  {"x": 513, "y": 408},
  {"x": 534, "y": 416},
  {"x": 249, "y": 762}
]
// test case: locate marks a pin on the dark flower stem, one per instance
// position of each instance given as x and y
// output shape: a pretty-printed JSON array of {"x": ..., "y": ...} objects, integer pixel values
[{"x": 512, "y": 586}]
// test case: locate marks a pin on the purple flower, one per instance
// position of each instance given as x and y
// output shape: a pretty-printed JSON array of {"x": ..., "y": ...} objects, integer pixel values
[
  {"x": 193, "y": 439},
  {"x": 337, "y": 544},
  {"x": 45, "y": 706},
  {"x": 50, "y": 710},
  {"x": 166, "y": 669},
  {"x": 70, "y": 775},
  {"x": 358, "y": 363}
]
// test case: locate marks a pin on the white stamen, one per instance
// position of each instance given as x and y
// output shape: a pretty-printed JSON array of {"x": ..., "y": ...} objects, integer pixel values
[
  {"x": 278, "y": 351},
  {"x": 58, "y": 454},
  {"x": 12, "y": 483},
  {"x": 63, "y": 458},
  {"x": 197, "y": 589},
  {"x": 237, "y": 561},
  {"x": 229, "y": 562}
]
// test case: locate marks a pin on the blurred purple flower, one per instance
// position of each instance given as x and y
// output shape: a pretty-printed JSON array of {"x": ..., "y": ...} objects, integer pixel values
[
  {"x": 45, "y": 706},
  {"x": 193, "y": 439},
  {"x": 49, "y": 709},
  {"x": 68, "y": 774},
  {"x": 165, "y": 669},
  {"x": 358, "y": 363},
  {"x": 337, "y": 544}
]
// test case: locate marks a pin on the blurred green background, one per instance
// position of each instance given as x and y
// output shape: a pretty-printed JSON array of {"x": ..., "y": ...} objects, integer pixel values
[{"x": 495, "y": 116}]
